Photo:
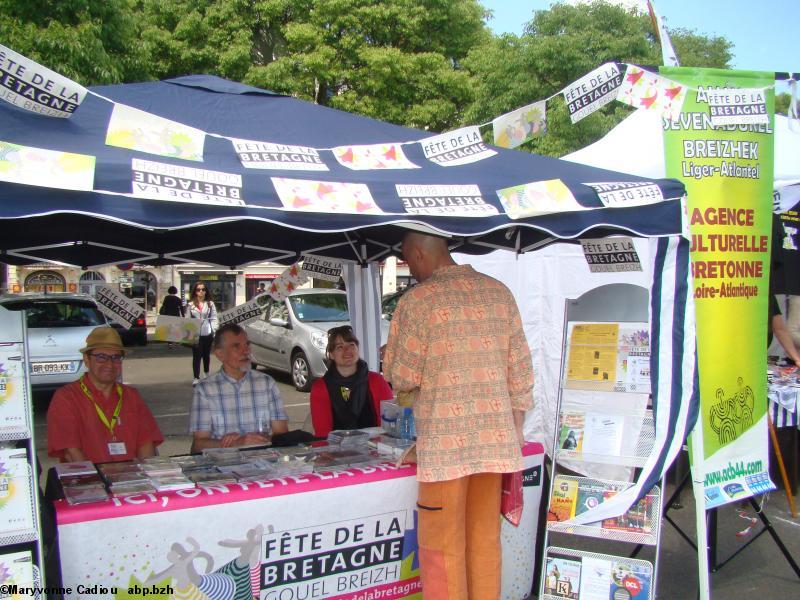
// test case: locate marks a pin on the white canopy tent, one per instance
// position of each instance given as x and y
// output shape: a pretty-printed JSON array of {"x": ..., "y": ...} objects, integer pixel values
[{"x": 636, "y": 146}]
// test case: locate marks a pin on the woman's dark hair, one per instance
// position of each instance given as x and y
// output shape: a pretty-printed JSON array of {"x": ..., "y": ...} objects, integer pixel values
[
  {"x": 193, "y": 295},
  {"x": 345, "y": 332},
  {"x": 172, "y": 290}
]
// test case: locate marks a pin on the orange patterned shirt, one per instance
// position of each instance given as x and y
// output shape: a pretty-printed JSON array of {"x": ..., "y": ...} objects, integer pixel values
[{"x": 456, "y": 342}]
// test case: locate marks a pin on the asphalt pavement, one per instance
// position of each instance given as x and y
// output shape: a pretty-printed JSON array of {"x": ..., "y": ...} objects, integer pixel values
[{"x": 163, "y": 377}]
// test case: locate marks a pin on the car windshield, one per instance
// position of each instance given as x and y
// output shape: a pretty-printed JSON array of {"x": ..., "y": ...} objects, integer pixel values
[
  {"x": 320, "y": 308},
  {"x": 61, "y": 313}
]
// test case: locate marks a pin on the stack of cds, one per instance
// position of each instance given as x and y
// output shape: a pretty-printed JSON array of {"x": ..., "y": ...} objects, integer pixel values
[
  {"x": 170, "y": 483},
  {"x": 341, "y": 458},
  {"x": 126, "y": 478},
  {"x": 161, "y": 467},
  {"x": 81, "y": 483},
  {"x": 348, "y": 438},
  {"x": 211, "y": 477}
]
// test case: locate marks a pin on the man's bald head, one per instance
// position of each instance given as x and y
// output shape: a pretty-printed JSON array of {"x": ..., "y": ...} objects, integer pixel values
[{"x": 425, "y": 253}]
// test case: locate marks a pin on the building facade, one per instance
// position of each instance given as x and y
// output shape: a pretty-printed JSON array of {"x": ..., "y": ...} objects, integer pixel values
[{"x": 147, "y": 285}]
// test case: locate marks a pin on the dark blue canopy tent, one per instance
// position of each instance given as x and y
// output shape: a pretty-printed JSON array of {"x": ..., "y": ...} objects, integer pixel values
[
  {"x": 109, "y": 225},
  {"x": 101, "y": 228}
]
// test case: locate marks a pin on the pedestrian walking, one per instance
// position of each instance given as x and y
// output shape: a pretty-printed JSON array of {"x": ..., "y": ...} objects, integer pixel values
[{"x": 202, "y": 307}]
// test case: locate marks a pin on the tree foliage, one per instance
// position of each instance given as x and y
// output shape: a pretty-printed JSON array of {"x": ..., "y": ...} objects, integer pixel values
[
  {"x": 90, "y": 41},
  {"x": 394, "y": 60},
  {"x": 782, "y": 103},
  {"x": 561, "y": 45},
  {"x": 431, "y": 64}
]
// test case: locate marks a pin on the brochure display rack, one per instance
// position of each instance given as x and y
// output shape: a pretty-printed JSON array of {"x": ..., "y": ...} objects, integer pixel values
[
  {"x": 20, "y": 533},
  {"x": 605, "y": 431}
]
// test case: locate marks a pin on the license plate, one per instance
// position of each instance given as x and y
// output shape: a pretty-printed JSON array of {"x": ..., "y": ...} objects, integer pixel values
[{"x": 51, "y": 368}]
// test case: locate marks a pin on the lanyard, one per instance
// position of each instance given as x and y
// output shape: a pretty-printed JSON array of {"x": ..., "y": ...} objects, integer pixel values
[{"x": 103, "y": 419}]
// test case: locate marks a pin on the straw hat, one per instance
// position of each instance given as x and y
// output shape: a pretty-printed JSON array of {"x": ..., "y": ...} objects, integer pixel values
[{"x": 103, "y": 337}]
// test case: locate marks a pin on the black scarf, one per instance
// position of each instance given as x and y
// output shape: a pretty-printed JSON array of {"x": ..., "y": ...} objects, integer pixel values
[{"x": 351, "y": 400}]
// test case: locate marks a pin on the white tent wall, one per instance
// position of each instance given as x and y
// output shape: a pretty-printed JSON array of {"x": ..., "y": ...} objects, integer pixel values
[{"x": 364, "y": 299}]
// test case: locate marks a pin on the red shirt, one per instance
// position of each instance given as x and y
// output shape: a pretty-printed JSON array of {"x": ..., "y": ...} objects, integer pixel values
[
  {"x": 73, "y": 422},
  {"x": 322, "y": 412}
]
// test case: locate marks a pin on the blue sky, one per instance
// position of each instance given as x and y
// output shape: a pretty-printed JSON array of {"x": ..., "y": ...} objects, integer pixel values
[{"x": 763, "y": 33}]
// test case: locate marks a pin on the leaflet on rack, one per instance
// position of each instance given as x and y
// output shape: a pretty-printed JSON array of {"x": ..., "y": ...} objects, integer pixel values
[{"x": 599, "y": 577}]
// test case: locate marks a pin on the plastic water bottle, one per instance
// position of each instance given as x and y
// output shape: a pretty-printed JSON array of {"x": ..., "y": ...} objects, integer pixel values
[{"x": 407, "y": 431}]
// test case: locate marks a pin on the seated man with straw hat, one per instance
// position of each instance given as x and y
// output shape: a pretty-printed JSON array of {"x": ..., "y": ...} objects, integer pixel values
[{"x": 97, "y": 418}]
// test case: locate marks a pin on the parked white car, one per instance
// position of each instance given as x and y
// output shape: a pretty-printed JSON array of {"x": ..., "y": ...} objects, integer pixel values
[
  {"x": 292, "y": 334},
  {"x": 58, "y": 324}
]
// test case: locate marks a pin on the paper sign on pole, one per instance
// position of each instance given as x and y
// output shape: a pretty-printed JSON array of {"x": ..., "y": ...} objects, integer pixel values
[
  {"x": 322, "y": 268},
  {"x": 117, "y": 307},
  {"x": 244, "y": 313},
  {"x": 649, "y": 91},
  {"x": 592, "y": 91},
  {"x": 287, "y": 282},
  {"x": 30, "y": 86},
  {"x": 520, "y": 125}
]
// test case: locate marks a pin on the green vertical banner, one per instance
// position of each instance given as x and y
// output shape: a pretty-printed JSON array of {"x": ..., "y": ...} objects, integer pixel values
[{"x": 722, "y": 147}]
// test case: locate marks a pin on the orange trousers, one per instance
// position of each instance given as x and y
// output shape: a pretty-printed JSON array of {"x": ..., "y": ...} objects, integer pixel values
[{"x": 459, "y": 538}]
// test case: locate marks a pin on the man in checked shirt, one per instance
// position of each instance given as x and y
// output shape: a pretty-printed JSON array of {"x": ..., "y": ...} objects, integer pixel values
[{"x": 237, "y": 406}]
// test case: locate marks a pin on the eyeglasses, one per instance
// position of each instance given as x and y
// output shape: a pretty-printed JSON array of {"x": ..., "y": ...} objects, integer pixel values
[
  {"x": 102, "y": 357},
  {"x": 342, "y": 329},
  {"x": 199, "y": 289}
]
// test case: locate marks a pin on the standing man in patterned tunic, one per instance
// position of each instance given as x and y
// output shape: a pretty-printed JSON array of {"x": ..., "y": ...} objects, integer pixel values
[{"x": 457, "y": 349}]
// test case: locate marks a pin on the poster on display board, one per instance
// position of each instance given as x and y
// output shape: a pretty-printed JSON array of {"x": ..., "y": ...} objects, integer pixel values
[
  {"x": 13, "y": 392},
  {"x": 728, "y": 173},
  {"x": 608, "y": 356}
]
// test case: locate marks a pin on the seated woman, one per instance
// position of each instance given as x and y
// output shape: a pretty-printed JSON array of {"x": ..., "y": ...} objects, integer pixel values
[{"x": 349, "y": 395}]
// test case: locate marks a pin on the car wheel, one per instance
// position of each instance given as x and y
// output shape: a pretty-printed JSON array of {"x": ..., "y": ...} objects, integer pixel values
[{"x": 301, "y": 372}]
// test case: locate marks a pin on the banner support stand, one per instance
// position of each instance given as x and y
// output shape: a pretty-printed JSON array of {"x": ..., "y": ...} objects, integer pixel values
[
  {"x": 779, "y": 457},
  {"x": 709, "y": 524},
  {"x": 697, "y": 475}
]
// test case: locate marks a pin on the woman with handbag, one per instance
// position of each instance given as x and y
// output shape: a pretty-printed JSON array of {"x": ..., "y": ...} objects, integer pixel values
[{"x": 202, "y": 307}]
